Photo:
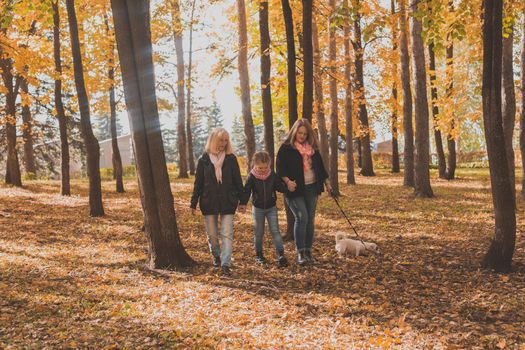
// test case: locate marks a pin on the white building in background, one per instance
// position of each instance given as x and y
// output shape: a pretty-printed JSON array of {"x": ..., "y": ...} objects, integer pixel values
[{"x": 125, "y": 147}]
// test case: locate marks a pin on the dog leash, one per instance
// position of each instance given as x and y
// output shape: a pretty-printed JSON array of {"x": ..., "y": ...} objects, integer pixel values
[{"x": 347, "y": 219}]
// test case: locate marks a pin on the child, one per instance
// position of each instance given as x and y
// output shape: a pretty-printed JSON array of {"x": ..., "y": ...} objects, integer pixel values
[{"x": 261, "y": 184}]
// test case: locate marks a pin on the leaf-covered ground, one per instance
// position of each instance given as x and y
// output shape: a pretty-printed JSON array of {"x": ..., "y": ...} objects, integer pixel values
[{"x": 71, "y": 281}]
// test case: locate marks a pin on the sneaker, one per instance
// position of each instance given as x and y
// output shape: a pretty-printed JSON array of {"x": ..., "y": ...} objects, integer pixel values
[
  {"x": 216, "y": 261},
  {"x": 301, "y": 259},
  {"x": 226, "y": 271},
  {"x": 308, "y": 256},
  {"x": 260, "y": 259},
  {"x": 281, "y": 260}
]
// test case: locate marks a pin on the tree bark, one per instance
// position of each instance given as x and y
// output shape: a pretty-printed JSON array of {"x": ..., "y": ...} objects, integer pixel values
[
  {"x": 522, "y": 116},
  {"x": 266, "y": 90},
  {"x": 244, "y": 77},
  {"x": 59, "y": 106},
  {"x": 27, "y": 132},
  {"x": 189, "y": 139},
  {"x": 319, "y": 98},
  {"x": 91, "y": 143},
  {"x": 367, "y": 168},
  {"x": 334, "y": 105},
  {"x": 442, "y": 166},
  {"x": 349, "y": 132},
  {"x": 394, "y": 118},
  {"x": 115, "y": 155},
  {"x": 408, "y": 156},
  {"x": 181, "y": 109},
  {"x": 291, "y": 64},
  {"x": 451, "y": 141},
  {"x": 509, "y": 104},
  {"x": 308, "y": 87},
  {"x": 422, "y": 169},
  {"x": 501, "y": 249},
  {"x": 132, "y": 29}
]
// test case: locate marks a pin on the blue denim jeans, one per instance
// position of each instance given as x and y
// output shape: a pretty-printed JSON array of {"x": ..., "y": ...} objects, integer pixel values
[
  {"x": 259, "y": 216},
  {"x": 303, "y": 209},
  {"x": 226, "y": 233}
]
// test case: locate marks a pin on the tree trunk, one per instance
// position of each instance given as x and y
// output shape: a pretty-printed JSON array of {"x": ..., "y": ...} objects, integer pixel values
[
  {"x": 394, "y": 118},
  {"x": 59, "y": 106},
  {"x": 451, "y": 141},
  {"x": 290, "y": 54},
  {"x": 265, "y": 79},
  {"x": 509, "y": 104},
  {"x": 408, "y": 157},
  {"x": 334, "y": 108},
  {"x": 359, "y": 154},
  {"x": 91, "y": 143},
  {"x": 29, "y": 154},
  {"x": 319, "y": 100},
  {"x": 191, "y": 157},
  {"x": 244, "y": 77},
  {"x": 422, "y": 169},
  {"x": 522, "y": 116},
  {"x": 115, "y": 154},
  {"x": 350, "y": 176},
  {"x": 308, "y": 88},
  {"x": 367, "y": 168},
  {"x": 181, "y": 109},
  {"x": 501, "y": 250},
  {"x": 442, "y": 166},
  {"x": 132, "y": 29},
  {"x": 13, "y": 175}
]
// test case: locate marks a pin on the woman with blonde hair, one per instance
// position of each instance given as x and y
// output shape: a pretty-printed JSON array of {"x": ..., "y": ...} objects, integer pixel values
[
  {"x": 218, "y": 187},
  {"x": 300, "y": 166}
]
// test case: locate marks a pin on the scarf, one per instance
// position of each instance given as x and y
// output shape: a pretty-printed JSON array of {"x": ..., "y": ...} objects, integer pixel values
[
  {"x": 306, "y": 151},
  {"x": 261, "y": 176},
  {"x": 217, "y": 161}
]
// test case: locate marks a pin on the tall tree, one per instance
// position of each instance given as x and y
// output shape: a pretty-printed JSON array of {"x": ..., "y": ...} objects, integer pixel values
[
  {"x": 91, "y": 143},
  {"x": 132, "y": 29},
  {"x": 291, "y": 63},
  {"x": 394, "y": 118},
  {"x": 181, "y": 109},
  {"x": 244, "y": 77},
  {"x": 501, "y": 249},
  {"x": 408, "y": 157},
  {"x": 509, "y": 101},
  {"x": 319, "y": 98},
  {"x": 334, "y": 106},
  {"x": 115, "y": 154},
  {"x": 451, "y": 141},
  {"x": 422, "y": 169},
  {"x": 308, "y": 60},
  {"x": 350, "y": 176},
  {"x": 189, "y": 136},
  {"x": 442, "y": 167},
  {"x": 59, "y": 106},
  {"x": 27, "y": 129},
  {"x": 522, "y": 116},
  {"x": 367, "y": 168},
  {"x": 265, "y": 79}
]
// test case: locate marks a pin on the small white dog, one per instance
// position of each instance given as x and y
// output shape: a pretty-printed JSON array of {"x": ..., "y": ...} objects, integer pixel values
[{"x": 344, "y": 245}]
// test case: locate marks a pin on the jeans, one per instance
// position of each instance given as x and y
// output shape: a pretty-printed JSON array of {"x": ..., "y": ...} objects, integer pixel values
[
  {"x": 212, "y": 230},
  {"x": 258, "y": 219},
  {"x": 303, "y": 209}
]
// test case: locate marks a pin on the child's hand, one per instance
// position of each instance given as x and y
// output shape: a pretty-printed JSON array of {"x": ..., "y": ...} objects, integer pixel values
[
  {"x": 242, "y": 208},
  {"x": 291, "y": 185}
]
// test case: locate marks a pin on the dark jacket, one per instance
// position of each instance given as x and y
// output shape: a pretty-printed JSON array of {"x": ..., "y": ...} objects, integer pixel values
[
  {"x": 263, "y": 191},
  {"x": 290, "y": 164},
  {"x": 215, "y": 198}
]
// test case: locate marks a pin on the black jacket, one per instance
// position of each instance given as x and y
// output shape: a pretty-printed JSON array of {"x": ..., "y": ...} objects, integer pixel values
[
  {"x": 290, "y": 164},
  {"x": 263, "y": 191},
  {"x": 215, "y": 198}
]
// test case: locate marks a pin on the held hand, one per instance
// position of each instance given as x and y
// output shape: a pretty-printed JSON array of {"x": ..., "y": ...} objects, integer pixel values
[
  {"x": 291, "y": 186},
  {"x": 329, "y": 188},
  {"x": 242, "y": 208},
  {"x": 193, "y": 211}
]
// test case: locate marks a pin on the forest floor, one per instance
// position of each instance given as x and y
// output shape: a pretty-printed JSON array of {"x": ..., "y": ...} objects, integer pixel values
[{"x": 71, "y": 281}]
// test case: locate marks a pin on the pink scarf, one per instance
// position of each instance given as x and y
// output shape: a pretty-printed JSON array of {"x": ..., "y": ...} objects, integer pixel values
[
  {"x": 217, "y": 161},
  {"x": 306, "y": 151},
  {"x": 261, "y": 176}
]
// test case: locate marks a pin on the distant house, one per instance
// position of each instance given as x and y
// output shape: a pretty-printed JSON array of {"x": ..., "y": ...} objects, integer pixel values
[
  {"x": 125, "y": 147},
  {"x": 384, "y": 147}
]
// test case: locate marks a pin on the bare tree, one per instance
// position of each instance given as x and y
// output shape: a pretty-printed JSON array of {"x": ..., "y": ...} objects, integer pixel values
[
  {"x": 291, "y": 64},
  {"x": 442, "y": 166},
  {"x": 350, "y": 176},
  {"x": 394, "y": 118},
  {"x": 509, "y": 103},
  {"x": 308, "y": 62},
  {"x": 334, "y": 107},
  {"x": 27, "y": 131},
  {"x": 189, "y": 139},
  {"x": 451, "y": 141}
]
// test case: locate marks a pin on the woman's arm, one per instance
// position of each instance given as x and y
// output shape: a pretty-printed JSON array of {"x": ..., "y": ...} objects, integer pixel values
[
  {"x": 247, "y": 191},
  {"x": 197, "y": 185}
]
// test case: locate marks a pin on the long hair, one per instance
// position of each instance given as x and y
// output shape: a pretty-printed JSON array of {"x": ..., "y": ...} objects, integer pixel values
[
  {"x": 311, "y": 138},
  {"x": 213, "y": 138}
]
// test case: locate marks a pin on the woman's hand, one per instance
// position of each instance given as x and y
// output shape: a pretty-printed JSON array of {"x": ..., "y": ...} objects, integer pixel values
[
  {"x": 328, "y": 187},
  {"x": 242, "y": 208},
  {"x": 193, "y": 211},
  {"x": 292, "y": 186}
]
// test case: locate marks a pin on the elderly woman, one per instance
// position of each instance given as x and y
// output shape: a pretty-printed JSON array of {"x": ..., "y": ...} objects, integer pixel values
[
  {"x": 218, "y": 186},
  {"x": 301, "y": 167}
]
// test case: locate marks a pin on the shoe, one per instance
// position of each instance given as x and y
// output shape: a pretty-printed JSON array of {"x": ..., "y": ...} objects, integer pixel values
[
  {"x": 216, "y": 261},
  {"x": 226, "y": 271},
  {"x": 301, "y": 259},
  {"x": 282, "y": 261},
  {"x": 308, "y": 256},
  {"x": 260, "y": 260}
]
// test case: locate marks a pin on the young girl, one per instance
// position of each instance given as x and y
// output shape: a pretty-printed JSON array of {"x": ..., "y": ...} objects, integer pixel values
[
  {"x": 261, "y": 184},
  {"x": 218, "y": 187}
]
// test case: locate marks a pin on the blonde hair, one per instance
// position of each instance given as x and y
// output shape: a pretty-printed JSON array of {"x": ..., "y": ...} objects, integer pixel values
[
  {"x": 213, "y": 138},
  {"x": 261, "y": 157},
  {"x": 292, "y": 134}
]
